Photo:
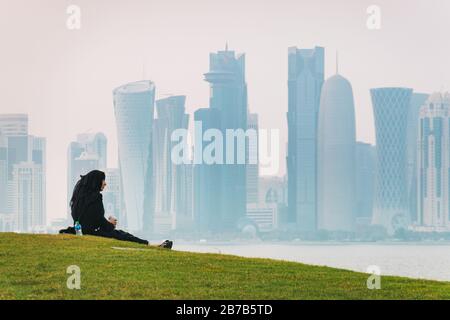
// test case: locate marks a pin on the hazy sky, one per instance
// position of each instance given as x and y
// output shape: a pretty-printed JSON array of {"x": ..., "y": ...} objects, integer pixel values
[{"x": 64, "y": 79}]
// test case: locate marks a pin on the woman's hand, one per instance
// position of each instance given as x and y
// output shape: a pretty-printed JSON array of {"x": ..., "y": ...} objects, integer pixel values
[{"x": 113, "y": 221}]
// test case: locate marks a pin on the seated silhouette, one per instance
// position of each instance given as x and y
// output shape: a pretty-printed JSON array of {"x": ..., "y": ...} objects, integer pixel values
[{"x": 87, "y": 209}]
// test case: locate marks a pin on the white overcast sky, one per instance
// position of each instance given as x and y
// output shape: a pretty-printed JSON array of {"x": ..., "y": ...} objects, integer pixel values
[{"x": 63, "y": 79}]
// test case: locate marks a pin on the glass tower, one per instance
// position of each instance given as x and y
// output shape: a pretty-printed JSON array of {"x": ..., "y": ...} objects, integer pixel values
[
  {"x": 365, "y": 182},
  {"x": 207, "y": 186},
  {"x": 3, "y": 173},
  {"x": 305, "y": 79},
  {"x": 168, "y": 176},
  {"x": 228, "y": 95},
  {"x": 417, "y": 101},
  {"x": 390, "y": 108},
  {"x": 336, "y": 156},
  {"x": 434, "y": 163},
  {"x": 253, "y": 169},
  {"x": 134, "y": 109},
  {"x": 28, "y": 191}
]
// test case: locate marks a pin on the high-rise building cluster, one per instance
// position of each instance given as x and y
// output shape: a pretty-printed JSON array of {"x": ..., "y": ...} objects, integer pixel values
[
  {"x": 338, "y": 184},
  {"x": 333, "y": 183},
  {"x": 160, "y": 195},
  {"x": 22, "y": 176}
]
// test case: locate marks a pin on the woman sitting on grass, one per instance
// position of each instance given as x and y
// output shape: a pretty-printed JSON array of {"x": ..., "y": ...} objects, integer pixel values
[{"x": 87, "y": 209}]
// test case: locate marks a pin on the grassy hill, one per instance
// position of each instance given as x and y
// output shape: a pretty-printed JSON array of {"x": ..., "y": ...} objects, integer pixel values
[{"x": 34, "y": 267}]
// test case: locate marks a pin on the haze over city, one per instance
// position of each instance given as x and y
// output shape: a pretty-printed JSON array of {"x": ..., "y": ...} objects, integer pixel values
[
  {"x": 231, "y": 153},
  {"x": 64, "y": 79}
]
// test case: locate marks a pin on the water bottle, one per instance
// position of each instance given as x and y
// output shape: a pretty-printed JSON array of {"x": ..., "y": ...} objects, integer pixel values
[{"x": 78, "y": 229}]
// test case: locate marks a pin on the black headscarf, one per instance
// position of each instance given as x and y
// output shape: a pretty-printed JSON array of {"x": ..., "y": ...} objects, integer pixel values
[{"x": 85, "y": 192}]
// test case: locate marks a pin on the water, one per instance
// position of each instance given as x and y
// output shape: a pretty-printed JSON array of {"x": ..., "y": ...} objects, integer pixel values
[
  {"x": 424, "y": 260},
  {"x": 78, "y": 231}
]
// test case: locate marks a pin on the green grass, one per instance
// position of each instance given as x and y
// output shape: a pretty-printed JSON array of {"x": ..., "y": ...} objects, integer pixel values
[{"x": 34, "y": 267}]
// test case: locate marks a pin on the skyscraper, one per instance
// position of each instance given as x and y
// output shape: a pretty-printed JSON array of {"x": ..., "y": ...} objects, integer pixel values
[
  {"x": 228, "y": 90},
  {"x": 306, "y": 76},
  {"x": 253, "y": 169},
  {"x": 95, "y": 143},
  {"x": 434, "y": 163},
  {"x": 17, "y": 152},
  {"x": 22, "y": 175},
  {"x": 112, "y": 196},
  {"x": 391, "y": 107},
  {"x": 417, "y": 101},
  {"x": 3, "y": 173},
  {"x": 14, "y": 124},
  {"x": 336, "y": 156},
  {"x": 28, "y": 188},
  {"x": 82, "y": 165},
  {"x": 365, "y": 182},
  {"x": 134, "y": 110},
  {"x": 207, "y": 187},
  {"x": 185, "y": 197},
  {"x": 29, "y": 196},
  {"x": 168, "y": 175}
]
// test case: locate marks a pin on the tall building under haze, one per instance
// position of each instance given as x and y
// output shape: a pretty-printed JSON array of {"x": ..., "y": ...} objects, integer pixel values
[
  {"x": 27, "y": 187},
  {"x": 365, "y": 182},
  {"x": 391, "y": 107},
  {"x": 134, "y": 111},
  {"x": 3, "y": 173},
  {"x": 95, "y": 143},
  {"x": 305, "y": 79},
  {"x": 13, "y": 125},
  {"x": 417, "y": 101},
  {"x": 22, "y": 176},
  {"x": 207, "y": 177},
  {"x": 336, "y": 156},
  {"x": 112, "y": 197},
  {"x": 434, "y": 163},
  {"x": 253, "y": 168},
  {"x": 171, "y": 208},
  {"x": 228, "y": 99}
]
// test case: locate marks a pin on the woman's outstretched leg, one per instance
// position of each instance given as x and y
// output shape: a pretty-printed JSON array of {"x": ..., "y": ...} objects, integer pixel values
[
  {"x": 120, "y": 235},
  {"x": 125, "y": 236}
]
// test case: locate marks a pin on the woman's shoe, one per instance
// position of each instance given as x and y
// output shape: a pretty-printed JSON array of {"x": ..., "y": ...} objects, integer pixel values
[{"x": 166, "y": 244}]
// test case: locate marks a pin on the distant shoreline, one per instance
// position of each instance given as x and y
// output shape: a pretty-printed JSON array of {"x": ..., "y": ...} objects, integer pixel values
[{"x": 313, "y": 243}]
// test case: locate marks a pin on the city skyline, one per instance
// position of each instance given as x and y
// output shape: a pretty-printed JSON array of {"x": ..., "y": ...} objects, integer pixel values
[
  {"x": 208, "y": 151},
  {"x": 67, "y": 74},
  {"x": 92, "y": 147},
  {"x": 393, "y": 107}
]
